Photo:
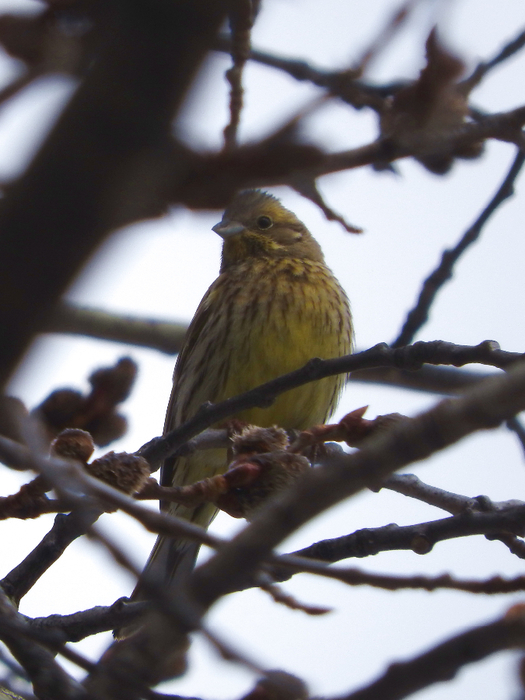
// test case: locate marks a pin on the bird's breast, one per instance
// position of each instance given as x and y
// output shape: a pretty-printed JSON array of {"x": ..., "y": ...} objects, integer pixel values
[{"x": 281, "y": 314}]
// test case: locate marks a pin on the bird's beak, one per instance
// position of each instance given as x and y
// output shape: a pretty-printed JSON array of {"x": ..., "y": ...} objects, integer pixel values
[{"x": 225, "y": 229}]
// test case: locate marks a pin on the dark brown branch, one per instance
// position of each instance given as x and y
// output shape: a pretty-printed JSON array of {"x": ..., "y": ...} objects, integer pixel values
[
  {"x": 505, "y": 126},
  {"x": 355, "y": 577},
  {"x": 104, "y": 163},
  {"x": 485, "y": 66},
  {"x": 307, "y": 187},
  {"x": 168, "y": 336},
  {"x": 405, "y": 442},
  {"x": 419, "y": 538},
  {"x": 211, "y": 180},
  {"x": 66, "y": 529},
  {"x": 83, "y": 624},
  {"x": 49, "y": 680},
  {"x": 165, "y": 336},
  {"x": 343, "y": 84},
  {"x": 242, "y": 15},
  {"x": 30, "y": 501},
  {"x": 443, "y": 661},
  {"x": 418, "y": 316},
  {"x": 410, "y": 357}
]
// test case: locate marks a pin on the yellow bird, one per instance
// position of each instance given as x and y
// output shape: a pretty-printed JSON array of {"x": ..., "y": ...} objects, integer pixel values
[{"x": 274, "y": 306}]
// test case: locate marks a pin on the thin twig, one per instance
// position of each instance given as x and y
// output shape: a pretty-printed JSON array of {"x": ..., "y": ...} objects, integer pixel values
[
  {"x": 409, "y": 357},
  {"x": 517, "y": 427},
  {"x": 484, "y": 67},
  {"x": 419, "y": 538},
  {"x": 394, "y": 23},
  {"x": 418, "y": 316},
  {"x": 343, "y": 84},
  {"x": 355, "y": 577},
  {"x": 242, "y": 15},
  {"x": 66, "y": 529}
]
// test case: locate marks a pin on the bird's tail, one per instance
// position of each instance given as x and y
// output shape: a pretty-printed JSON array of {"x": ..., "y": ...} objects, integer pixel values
[
  {"x": 172, "y": 559},
  {"x": 169, "y": 566}
]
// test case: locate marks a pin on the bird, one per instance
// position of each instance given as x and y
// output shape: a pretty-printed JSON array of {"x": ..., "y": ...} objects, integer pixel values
[{"x": 273, "y": 307}]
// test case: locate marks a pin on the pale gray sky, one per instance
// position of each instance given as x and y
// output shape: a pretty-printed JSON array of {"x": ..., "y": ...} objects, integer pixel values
[{"x": 162, "y": 268}]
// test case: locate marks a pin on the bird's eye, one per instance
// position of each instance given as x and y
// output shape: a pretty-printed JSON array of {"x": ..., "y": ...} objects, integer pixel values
[{"x": 264, "y": 222}]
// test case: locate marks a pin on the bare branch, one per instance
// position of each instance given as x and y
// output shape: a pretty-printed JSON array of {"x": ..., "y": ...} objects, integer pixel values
[
  {"x": 409, "y": 357},
  {"x": 485, "y": 66},
  {"x": 242, "y": 16},
  {"x": 78, "y": 188},
  {"x": 49, "y": 680},
  {"x": 85, "y": 623},
  {"x": 66, "y": 529},
  {"x": 418, "y": 316},
  {"x": 343, "y": 84},
  {"x": 165, "y": 336},
  {"x": 355, "y": 577},
  {"x": 419, "y": 538},
  {"x": 443, "y": 661},
  {"x": 405, "y": 442},
  {"x": 411, "y": 485}
]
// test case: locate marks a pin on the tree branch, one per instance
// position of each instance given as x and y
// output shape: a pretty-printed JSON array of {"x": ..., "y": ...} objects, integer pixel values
[
  {"x": 166, "y": 336},
  {"x": 409, "y": 357},
  {"x": 443, "y": 661},
  {"x": 418, "y": 316},
  {"x": 104, "y": 163}
]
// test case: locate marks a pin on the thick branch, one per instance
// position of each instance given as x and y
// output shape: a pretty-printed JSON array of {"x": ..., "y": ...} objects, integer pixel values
[
  {"x": 165, "y": 336},
  {"x": 102, "y": 166}
]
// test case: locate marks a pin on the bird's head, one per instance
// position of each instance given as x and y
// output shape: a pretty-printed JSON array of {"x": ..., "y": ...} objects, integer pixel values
[{"x": 256, "y": 225}]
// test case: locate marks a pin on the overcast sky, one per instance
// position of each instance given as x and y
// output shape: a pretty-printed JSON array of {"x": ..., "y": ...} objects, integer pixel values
[{"x": 161, "y": 269}]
